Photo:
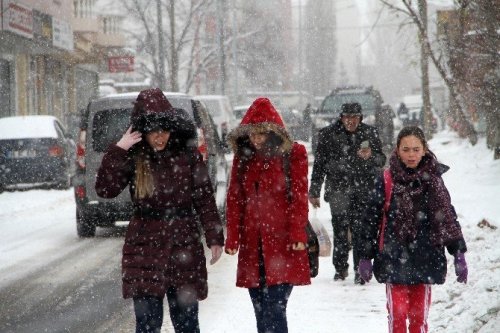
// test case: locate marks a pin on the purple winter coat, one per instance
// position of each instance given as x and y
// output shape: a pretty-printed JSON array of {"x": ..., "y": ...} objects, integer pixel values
[{"x": 162, "y": 253}]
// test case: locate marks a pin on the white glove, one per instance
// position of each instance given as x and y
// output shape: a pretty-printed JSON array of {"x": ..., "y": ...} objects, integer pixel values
[{"x": 129, "y": 139}]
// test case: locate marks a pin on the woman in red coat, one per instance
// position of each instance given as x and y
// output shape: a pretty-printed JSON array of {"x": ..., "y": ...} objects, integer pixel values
[
  {"x": 266, "y": 214},
  {"x": 171, "y": 191}
]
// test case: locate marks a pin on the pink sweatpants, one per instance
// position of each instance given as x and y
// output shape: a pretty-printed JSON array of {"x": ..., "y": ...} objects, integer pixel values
[{"x": 410, "y": 302}]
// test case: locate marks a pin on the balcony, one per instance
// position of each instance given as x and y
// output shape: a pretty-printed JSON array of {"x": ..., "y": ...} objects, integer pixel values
[
  {"x": 85, "y": 24},
  {"x": 110, "y": 40}
]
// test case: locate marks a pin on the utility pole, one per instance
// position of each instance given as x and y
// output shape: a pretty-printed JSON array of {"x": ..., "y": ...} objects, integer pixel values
[
  {"x": 161, "y": 47},
  {"x": 301, "y": 76},
  {"x": 220, "y": 36},
  {"x": 426, "y": 113},
  {"x": 174, "y": 60},
  {"x": 235, "y": 55}
]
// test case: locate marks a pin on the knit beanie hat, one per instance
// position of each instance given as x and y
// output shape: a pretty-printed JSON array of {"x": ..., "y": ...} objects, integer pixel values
[{"x": 352, "y": 109}]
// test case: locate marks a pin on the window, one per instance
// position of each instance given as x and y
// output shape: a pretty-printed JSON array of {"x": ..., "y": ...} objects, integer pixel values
[{"x": 108, "y": 126}]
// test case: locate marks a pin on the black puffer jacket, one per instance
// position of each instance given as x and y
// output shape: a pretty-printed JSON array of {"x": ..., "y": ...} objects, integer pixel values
[{"x": 336, "y": 158}]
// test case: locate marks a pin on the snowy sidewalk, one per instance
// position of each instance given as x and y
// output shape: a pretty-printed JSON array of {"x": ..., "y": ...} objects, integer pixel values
[
  {"x": 324, "y": 306},
  {"x": 342, "y": 307}
]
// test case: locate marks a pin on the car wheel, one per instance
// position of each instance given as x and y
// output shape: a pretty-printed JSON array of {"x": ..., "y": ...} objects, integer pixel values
[{"x": 85, "y": 227}]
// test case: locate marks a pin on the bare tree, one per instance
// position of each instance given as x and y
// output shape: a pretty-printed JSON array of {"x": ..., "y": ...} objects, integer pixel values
[
  {"x": 415, "y": 16},
  {"x": 262, "y": 53},
  {"x": 321, "y": 50},
  {"x": 182, "y": 26},
  {"x": 484, "y": 51}
]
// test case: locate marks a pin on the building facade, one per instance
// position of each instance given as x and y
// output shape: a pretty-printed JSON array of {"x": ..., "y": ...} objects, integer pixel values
[{"x": 50, "y": 54}]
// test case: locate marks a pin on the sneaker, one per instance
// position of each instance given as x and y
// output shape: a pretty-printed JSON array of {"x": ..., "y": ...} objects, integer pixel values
[
  {"x": 358, "y": 279},
  {"x": 340, "y": 275}
]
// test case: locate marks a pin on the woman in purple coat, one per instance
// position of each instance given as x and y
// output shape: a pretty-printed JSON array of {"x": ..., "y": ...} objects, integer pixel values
[{"x": 171, "y": 192}]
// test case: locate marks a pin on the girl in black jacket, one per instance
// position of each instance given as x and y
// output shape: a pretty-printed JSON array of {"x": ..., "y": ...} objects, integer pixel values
[{"x": 408, "y": 247}]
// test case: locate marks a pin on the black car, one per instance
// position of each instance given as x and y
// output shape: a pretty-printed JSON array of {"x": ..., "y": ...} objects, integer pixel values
[
  {"x": 104, "y": 122},
  {"x": 35, "y": 151}
]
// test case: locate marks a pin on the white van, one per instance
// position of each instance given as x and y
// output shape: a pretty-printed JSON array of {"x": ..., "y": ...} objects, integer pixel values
[{"x": 221, "y": 111}]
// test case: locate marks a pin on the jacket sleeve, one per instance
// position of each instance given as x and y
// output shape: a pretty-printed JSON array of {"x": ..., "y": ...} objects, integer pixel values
[
  {"x": 235, "y": 206},
  {"x": 298, "y": 208},
  {"x": 372, "y": 219},
  {"x": 319, "y": 167},
  {"x": 203, "y": 197},
  {"x": 115, "y": 172}
]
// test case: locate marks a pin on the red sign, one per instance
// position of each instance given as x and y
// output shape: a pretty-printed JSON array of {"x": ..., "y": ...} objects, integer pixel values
[{"x": 121, "y": 64}]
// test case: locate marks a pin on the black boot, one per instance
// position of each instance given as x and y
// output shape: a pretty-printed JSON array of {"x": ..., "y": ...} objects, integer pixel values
[{"x": 340, "y": 275}]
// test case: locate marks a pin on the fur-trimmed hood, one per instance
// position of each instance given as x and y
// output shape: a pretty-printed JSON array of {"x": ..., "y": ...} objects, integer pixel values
[{"x": 261, "y": 115}]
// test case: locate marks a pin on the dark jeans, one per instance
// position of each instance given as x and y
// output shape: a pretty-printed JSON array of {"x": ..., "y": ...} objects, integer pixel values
[
  {"x": 270, "y": 304},
  {"x": 149, "y": 314},
  {"x": 342, "y": 223}
]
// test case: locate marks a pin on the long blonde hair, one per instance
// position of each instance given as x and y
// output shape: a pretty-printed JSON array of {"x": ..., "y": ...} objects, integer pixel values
[{"x": 144, "y": 185}]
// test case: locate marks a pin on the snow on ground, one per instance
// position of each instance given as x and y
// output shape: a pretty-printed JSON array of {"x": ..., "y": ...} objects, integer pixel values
[
  {"x": 342, "y": 307},
  {"x": 324, "y": 306}
]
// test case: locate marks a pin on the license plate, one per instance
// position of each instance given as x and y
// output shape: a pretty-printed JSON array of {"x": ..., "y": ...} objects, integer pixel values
[{"x": 26, "y": 153}]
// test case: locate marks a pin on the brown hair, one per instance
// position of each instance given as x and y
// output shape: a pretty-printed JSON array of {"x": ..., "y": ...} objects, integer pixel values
[
  {"x": 415, "y": 131},
  {"x": 419, "y": 134},
  {"x": 144, "y": 186}
]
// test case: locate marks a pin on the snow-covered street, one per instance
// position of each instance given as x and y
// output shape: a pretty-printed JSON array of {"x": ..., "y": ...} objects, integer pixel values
[{"x": 40, "y": 254}]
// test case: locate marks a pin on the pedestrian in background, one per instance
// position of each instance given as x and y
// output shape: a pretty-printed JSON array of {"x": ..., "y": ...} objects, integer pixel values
[
  {"x": 267, "y": 213},
  {"x": 171, "y": 191},
  {"x": 409, "y": 247},
  {"x": 403, "y": 114},
  {"x": 384, "y": 116},
  {"x": 349, "y": 155}
]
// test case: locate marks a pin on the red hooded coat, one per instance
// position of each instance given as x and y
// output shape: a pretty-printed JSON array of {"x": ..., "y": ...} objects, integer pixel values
[{"x": 259, "y": 212}]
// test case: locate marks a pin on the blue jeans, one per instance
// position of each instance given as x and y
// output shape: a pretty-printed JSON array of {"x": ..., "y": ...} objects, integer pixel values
[
  {"x": 269, "y": 303},
  {"x": 149, "y": 314}
]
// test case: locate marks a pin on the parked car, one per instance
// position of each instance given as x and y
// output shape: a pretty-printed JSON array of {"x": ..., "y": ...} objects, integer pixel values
[
  {"x": 35, "y": 151},
  {"x": 104, "y": 122},
  {"x": 293, "y": 122},
  {"x": 329, "y": 110},
  {"x": 221, "y": 111},
  {"x": 415, "y": 106},
  {"x": 239, "y": 111}
]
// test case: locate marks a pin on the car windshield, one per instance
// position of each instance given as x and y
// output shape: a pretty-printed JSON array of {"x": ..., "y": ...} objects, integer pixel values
[{"x": 332, "y": 104}]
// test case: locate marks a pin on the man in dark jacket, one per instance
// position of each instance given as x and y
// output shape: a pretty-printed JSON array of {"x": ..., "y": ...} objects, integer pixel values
[{"x": 349, "y": 154}]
